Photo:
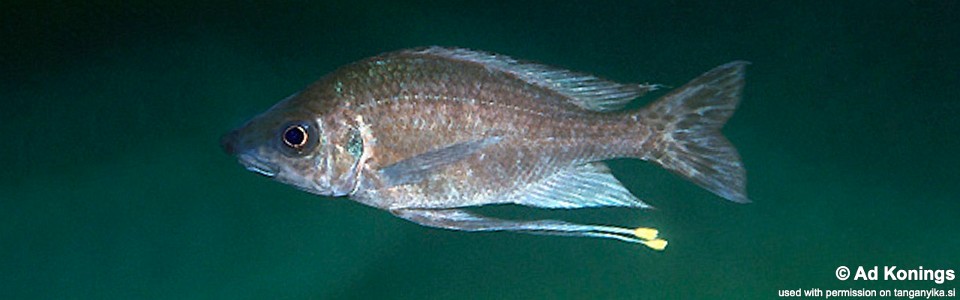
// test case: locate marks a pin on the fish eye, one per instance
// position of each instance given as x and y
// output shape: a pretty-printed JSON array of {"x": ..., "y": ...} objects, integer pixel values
[{"x": 295, "y": 136}]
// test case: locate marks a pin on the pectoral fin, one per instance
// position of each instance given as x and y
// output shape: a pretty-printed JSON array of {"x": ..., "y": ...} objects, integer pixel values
[{"x": 419, "y": 167}]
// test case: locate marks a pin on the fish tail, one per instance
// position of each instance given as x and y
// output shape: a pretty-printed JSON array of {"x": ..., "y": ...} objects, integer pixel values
[{"x": 686, "y": 132}]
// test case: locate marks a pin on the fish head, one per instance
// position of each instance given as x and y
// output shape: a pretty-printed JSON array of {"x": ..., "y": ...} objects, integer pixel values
[{"x": 295, "y": 147}]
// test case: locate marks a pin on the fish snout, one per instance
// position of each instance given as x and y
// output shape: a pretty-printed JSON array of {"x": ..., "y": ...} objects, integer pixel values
[{"x": 229, "y": 142}]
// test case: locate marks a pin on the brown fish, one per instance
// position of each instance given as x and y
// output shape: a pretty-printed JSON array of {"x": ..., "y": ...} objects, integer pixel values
[{"x": 426, "y": 133}]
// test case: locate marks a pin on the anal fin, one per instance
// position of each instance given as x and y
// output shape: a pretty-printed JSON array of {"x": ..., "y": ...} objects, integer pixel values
[{"x": 585, "y": 185}]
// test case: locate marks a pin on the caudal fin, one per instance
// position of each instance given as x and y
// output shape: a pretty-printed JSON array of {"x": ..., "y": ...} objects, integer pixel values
[{"x": 688, "y": 141}]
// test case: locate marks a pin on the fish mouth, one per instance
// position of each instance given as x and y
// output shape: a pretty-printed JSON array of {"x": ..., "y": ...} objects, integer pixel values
[
  {"x": 231, "y": 144},
  {"x": 255, "y": 165}
]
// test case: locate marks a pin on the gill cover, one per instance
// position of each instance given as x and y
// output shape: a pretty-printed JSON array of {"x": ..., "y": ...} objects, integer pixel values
[{"x": 345, "y": 157}]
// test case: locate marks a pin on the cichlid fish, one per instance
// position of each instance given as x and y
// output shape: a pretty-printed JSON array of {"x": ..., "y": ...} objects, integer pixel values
[{"x": 426, "y": 133}]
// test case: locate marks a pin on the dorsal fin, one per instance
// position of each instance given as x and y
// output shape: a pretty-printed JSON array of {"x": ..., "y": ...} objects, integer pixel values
[
  {"x": 586, "y": 185},
  {"x": 586, "y": 91}
]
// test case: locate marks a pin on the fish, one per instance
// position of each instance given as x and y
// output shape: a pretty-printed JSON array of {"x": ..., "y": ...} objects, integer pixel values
[{"x": 429, "y": 133}]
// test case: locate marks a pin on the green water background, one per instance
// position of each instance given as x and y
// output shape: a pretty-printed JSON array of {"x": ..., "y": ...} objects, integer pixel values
[{"x": 113, "y": 185}]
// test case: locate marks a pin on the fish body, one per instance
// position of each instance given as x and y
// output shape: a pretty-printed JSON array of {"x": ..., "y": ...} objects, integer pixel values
[{"x": 426, "y": 133}]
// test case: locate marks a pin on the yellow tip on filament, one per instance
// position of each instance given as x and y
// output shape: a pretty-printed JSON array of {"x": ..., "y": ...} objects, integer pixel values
[
  {"x": 646, "y": 233},
  {"x": 656, "y": 244}
]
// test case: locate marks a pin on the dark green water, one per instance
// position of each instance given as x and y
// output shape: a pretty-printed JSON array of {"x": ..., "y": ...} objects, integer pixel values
[{"x": 113, "y": 184}]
